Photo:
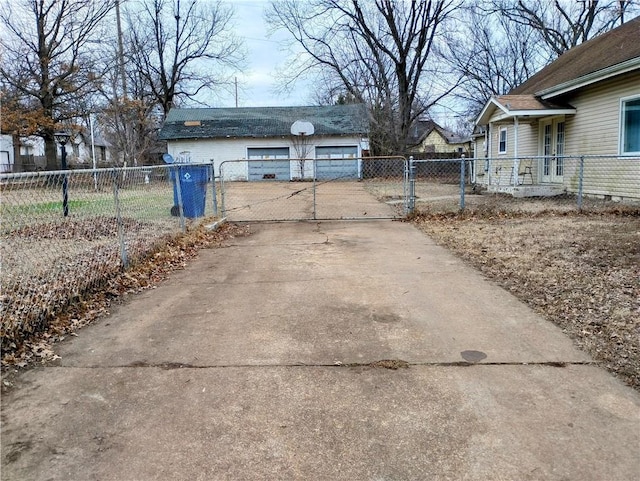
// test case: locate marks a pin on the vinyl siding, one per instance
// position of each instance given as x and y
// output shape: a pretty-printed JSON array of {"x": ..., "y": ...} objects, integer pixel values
[
  {"x": 595, "y": 130},
  {"x": 527, "y": 139},
  {"x": 495, "y": 140},
  {"x": 500, "y": 164},
  {"x": 618, "y": 177}
]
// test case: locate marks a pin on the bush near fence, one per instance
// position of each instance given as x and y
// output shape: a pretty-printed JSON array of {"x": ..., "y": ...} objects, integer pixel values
[{"x": 116, "y": 218}]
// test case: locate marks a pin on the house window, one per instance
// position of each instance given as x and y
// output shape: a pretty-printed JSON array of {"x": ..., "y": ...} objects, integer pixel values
[
  {"x": 630, "y": 126},
  {"x": 76, "y": 150},
  {"x": 502, "y": 144}
]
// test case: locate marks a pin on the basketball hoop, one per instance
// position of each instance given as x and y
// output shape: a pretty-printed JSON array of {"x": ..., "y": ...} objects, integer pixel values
[
  {"x": 302, "y": 128},
  {"x": 301, "y": 131}
]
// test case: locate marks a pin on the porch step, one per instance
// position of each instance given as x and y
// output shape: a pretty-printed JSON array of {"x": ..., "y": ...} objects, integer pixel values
[{"x": 537, "y": 190}]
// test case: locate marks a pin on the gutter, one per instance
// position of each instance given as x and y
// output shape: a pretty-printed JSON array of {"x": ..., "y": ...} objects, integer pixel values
[{"x": 599, "y": 75}]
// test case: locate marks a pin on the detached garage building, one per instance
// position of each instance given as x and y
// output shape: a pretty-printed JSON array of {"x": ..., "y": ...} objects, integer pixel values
[{"x": 261, "y": 137}]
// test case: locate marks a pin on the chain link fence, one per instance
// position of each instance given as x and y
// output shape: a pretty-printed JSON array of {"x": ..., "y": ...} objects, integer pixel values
[
  {"x": 538, "y": 183},
  {"x": 575, "y": 182},
  {"x": 438, "y": 184},
  {"x": 65, "y": 233},
  {"x": 314, "y": 189}
]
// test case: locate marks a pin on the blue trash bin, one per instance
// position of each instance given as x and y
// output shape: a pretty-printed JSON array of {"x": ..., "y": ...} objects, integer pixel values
[{"x": 193, "y": 187}]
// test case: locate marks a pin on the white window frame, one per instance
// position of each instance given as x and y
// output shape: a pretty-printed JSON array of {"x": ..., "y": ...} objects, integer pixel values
[
  {"x": 622, "y": 132},
  {"x": 506, "y": 138}
]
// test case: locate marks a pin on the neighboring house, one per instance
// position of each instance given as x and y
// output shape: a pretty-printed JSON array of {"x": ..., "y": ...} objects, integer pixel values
[
  {"x": 428, "y": 136},
  {"x": 31, "y": 152},
  {"x": 32, "y": 157},
  {"x": 585, "y": 103},
  {"x": 261, "y": 134},
  {"x": 6, "y": 153},
  {"x": 81, "y": 150}
]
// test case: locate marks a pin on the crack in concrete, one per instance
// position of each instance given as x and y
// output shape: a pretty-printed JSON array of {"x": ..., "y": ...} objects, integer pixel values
[{"x": 384, "y": 363}]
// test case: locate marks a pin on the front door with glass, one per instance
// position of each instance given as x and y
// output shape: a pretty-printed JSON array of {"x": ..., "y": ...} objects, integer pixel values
[{"x": 552, "y": 150}]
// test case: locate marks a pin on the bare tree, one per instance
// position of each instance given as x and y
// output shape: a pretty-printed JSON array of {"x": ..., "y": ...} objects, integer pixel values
[
  {"x": 181, "y": 47},
  {"x": 128, "y": 123},
  {"x": 492, "y": 54},
  {"x": 563, "y": 24},
  {"x": 47, "y": 59},
  {"x": 380, "y": 52}
]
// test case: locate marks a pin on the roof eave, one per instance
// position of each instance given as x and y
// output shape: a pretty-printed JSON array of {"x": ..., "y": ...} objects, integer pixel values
[
  {"x": 253, "y": 136},
  {"x": 536, "y": 113},
  {"x": 591, "y": 78},
  {"x": 485, "y": 115}
]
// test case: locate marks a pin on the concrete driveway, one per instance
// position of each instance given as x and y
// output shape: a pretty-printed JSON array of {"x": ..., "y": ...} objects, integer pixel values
[
  {"x": 253, "y": 201},
  {"x": 260, "y": 361}
]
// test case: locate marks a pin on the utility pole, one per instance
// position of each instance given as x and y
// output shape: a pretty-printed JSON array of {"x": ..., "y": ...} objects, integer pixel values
[
  {"x": 236, "y": 82},
  {"x": 123, "y": 77},
  {"x": 121, "y": 52}
]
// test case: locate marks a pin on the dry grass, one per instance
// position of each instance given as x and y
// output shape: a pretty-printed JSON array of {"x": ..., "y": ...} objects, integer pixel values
[{"x": 579, "y": 270}]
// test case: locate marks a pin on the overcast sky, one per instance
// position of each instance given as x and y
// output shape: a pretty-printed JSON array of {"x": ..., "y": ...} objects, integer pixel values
[{"x": 258, "y": 82}]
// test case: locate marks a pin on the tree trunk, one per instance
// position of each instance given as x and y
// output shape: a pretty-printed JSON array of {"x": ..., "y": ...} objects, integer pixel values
[
  {"x": 17, "y": 159},
  {"x": 50, "y": 151}
]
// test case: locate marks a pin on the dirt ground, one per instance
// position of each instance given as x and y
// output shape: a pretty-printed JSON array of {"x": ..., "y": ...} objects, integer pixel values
[{"x": 580, "y": 270}]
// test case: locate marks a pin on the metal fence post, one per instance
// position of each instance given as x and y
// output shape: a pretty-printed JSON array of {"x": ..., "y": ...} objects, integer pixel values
[
  {"x": 213, "y": 189},
  {"x": 222, "y": 190},
  {"x": 412, "y": 185},
  {"x": 119, "y": 221},
  {"x": 462, "y": 176},
  {"x": 315, "y": 213},
  {"x": 580, "y": 179},
  {"x": 178, "y": 176},
  {"x": 405, "y": 187}
]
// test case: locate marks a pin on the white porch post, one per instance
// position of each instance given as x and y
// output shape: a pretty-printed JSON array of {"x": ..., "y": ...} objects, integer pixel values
[
  {"x": 489, "y": 139},
  {"x": 516, "y": 160}
]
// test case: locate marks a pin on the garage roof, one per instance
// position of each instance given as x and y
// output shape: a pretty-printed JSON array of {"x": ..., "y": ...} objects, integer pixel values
[{"x": 257, "y": 122}]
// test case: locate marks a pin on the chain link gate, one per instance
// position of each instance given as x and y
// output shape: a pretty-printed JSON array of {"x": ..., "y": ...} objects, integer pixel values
[{"x": 345, "y": 188}]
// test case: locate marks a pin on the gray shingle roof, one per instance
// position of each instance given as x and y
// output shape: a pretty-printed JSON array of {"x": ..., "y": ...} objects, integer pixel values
[
  {"x": 614, "y": 47},
  {"x": 260, "y": 122}
]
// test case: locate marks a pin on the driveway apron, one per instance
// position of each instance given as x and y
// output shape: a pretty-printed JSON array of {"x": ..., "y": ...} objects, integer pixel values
[{"x": 271, "y": 358}]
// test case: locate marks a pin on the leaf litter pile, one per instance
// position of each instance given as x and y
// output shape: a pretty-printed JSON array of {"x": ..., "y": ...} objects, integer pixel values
[
  {"x": 579, "y": 270},
  {"x": 42, "y": 303}
]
